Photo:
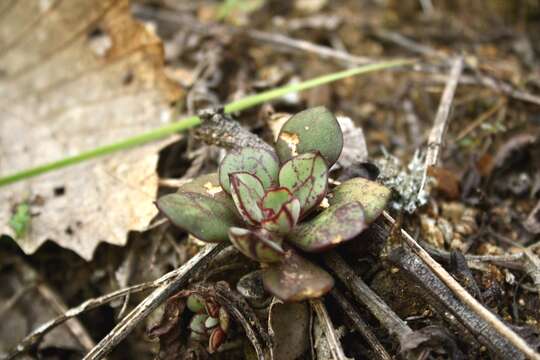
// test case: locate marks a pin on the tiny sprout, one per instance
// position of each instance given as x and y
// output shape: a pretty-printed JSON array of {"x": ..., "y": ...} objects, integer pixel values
[
  {"x": 195, "y": 303},
  {"x": 210, "y": 323},
  {"x": 269, "y": 203}
]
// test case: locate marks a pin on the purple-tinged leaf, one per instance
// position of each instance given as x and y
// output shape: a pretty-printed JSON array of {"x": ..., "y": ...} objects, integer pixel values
[
  {"x": 247, "y": 192},
  {"x": 201, "y": 201},
  {"x": 259, "y": 245},
  {"x": 336, "y": 224},
  {"x": 296, "y": 279},
  {"x": 311, "y": 130},
  {"x": 373, "y": 196},
  {"x": 306, "y": 176},
  {"x": 255, "y": 161}
]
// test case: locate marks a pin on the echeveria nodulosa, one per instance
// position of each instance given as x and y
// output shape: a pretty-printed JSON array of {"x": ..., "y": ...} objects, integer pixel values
[{"x": 258, "y": 202}]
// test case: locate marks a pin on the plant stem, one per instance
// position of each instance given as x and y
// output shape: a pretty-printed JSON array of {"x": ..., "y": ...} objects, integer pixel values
[{"x": 193, "y": 121}]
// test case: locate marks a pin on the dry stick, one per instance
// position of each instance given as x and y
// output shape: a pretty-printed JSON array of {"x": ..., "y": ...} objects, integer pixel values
[
  {"x": 477, "y": 79},
  {"x": 386, "y": 316},
  {"x": 440, "y": 124},
  {"x": 342, "y": 56},
  {"x": 478, "y": 121},
  {"x": 465, "y": 297},
  {"x": 74, "y": 326},
  {"x": 32, "y": 338},
  {"x": 324, "y": 52},
  {"x": 525, "y": 261},
  {"x": 453, "y": 310},
  {"x": 329, "y": 331},
  {"x": 378, "y": 349},
  {"x": 173, "y": 281}
]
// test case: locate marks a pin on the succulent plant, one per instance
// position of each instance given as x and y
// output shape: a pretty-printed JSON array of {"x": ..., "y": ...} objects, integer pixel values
[
  {"x": 269, "y": 204},
  {"x": 210, "y": 323}
]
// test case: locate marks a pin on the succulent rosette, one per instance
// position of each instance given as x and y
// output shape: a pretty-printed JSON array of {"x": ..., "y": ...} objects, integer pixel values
[{"x": 269, "y": 204}]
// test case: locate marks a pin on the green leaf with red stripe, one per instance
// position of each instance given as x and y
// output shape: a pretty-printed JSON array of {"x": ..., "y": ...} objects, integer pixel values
[
  {"x": 258, "y": 162},
  {"x": 281, "y": 211},
  {"x": 306, "y": 177},
  {"x": 247, "y": 192},
  {"x": 259, "y": 245}
]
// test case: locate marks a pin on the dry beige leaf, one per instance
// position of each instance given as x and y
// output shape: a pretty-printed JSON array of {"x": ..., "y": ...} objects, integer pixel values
[{"x": 75, "y": 75}]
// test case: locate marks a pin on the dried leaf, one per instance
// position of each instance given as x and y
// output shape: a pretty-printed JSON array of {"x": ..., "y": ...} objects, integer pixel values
[
  {"x": 67, "y": 96},
  {"x": 333, "y": 226},
  {"x": 296, "y": 279}
]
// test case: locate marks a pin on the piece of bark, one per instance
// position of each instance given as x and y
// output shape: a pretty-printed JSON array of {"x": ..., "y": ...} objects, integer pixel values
[{"x": 450, "y": 307}]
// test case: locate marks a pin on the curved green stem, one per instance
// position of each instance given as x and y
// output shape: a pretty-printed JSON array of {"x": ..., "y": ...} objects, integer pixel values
[{"x": 193, "y": 121}]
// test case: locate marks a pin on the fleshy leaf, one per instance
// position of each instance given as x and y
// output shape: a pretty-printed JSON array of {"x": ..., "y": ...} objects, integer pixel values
[
  {"x": 247, "y": 192},
  {"x": 331, "y": 227},
  {"x": 208, "y": 185},
  {"x": 281, "y": 211},
  {"x": 373, "y": 196},
  {"x": 274, "y": 199},
  {"x": 296, "y": 279},
  {"x": 311, "y": 130},
  {"x": 306, "y": 176},
  {"x": 200, "y": 215},
  {"x": 201, "y": 201},
  {"x": 259, "y": 245},
  {"x": 285, "y": 220},
  {"x": 256, "y": 161}
]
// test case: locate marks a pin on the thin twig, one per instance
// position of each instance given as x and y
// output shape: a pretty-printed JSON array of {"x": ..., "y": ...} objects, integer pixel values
[
  {"x": 329, "y": 331},
  {"x": 32, "y": 338},
  {"x": 449, "y": 307},
  {"x": 74, "y": 326},
  {"x": 172, "y": 282},
  {"x": 341, "y": 56},
  {"x": 360, "y": 325},
  {"x": 386, "y": 316},
  {"x": 440, "y": 124},
  {"x": 465, "y": 297}
]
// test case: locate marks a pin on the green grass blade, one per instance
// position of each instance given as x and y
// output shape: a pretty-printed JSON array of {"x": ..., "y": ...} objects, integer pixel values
[{"x": 193, "y": 121}]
